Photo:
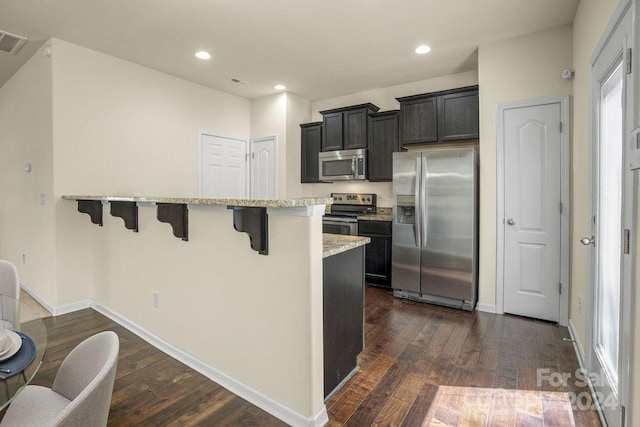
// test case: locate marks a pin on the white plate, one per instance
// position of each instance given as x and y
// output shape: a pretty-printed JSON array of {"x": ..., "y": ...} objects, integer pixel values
[
  {"x": 9, "y": 347},
  {"x": 16, "y": 343}
]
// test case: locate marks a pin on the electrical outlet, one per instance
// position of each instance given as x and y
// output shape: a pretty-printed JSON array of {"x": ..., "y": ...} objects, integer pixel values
[
  {"x": 156, "y": 299},
  {"x": 579, "y": 304},
  {"x": 24, "y": 258},
  {"x": 43, "y": 199}
]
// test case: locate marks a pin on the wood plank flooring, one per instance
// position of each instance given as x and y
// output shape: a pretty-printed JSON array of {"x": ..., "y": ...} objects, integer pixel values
[
  {"x": 430, "y": 365},
  {"x": 151, "y": 388},
  {"x": 422, "y": 365}
]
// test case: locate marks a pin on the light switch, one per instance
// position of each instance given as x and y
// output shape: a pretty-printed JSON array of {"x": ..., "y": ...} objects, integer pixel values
[
  {"x": 43, "y": 199},
  {"x": 27, "y": 167}
]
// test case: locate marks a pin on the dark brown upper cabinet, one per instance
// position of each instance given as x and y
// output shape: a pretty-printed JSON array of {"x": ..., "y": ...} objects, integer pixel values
[
  {"x": 383, "y": 142},
  {"x": 451, "y": 115},
  {"x": 346, "y": 128},
  {"x": 311, "y": 139}
]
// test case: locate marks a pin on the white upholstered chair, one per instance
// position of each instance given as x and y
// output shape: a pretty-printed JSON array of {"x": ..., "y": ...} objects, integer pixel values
[
  {"x": 81, "y": 391},
  {"x": 10, "y": 286}
]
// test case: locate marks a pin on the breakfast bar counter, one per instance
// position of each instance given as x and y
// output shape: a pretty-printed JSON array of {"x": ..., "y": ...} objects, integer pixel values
[
  {"x": 210, "y": 201},
  {"x": 249, "y": 269}
]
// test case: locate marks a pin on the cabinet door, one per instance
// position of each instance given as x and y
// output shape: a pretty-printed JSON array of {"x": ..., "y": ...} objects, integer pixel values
[
  {"x": 383, "y": 142},
  {"x": 419, "y": 121},
  {"x": 378, "y": 252},
  {"x": 332, "y": 132},
  {"x": 311, "y": 139},
  {"x": 459, "y": 116},
  {"x": 377, "y": 266},
  {"x": 355, "y": 129}
]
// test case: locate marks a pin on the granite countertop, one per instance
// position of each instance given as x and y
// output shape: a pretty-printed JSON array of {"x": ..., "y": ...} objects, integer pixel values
[
  {"x": 333, "y": 244},
  {"x": 258, "y": 203},
  {"x": 382, "y": 214}
]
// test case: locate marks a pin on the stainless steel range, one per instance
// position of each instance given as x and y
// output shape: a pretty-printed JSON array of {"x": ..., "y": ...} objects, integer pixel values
[{"x": 342, "y": 219}]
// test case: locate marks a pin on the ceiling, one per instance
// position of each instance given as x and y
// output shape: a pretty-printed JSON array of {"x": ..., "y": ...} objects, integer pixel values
[{"x": 318, "y": 49}]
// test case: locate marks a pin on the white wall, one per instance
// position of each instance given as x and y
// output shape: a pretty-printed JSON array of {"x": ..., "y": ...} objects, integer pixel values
[
  {"x": 298, "y": 111},
  {"x": 121, "y": 128},
  {"x": 26, "y": 227},
  {"x": 256, "y": 318},
  {"x": 519, "y": 68}
]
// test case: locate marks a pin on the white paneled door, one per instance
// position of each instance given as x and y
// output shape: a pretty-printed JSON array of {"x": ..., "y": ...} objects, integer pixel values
[
  {"x": 223, "y": 169},
  {"x": 532, "y": 210},
  {"x": 264, "y": 168}
]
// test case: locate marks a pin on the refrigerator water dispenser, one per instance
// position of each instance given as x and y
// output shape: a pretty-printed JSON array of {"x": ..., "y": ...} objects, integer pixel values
[{"x": 406, "y": 211}]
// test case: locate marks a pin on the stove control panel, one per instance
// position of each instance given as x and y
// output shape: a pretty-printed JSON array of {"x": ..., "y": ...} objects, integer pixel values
[{"x": 354, "y": 199}]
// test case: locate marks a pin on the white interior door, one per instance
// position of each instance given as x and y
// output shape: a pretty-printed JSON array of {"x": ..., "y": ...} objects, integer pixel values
[
  {"x": 264, "y": 168},
  {"x": 532, "y": 210},
  {"x": 223, "y": 169},
  {"x": 611, "y": 219}
]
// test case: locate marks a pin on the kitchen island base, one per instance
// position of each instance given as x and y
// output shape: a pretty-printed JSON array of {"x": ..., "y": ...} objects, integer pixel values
[{"x": 343, "y": 290}]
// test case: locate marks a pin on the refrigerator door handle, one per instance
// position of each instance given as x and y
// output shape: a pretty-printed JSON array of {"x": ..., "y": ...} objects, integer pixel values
[
  {"x": 417, "y": 221},
  {"x": 423, "y": 201}
]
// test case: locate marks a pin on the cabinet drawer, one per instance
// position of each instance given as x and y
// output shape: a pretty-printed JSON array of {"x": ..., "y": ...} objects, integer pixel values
[{"x": 378, "y": 228}]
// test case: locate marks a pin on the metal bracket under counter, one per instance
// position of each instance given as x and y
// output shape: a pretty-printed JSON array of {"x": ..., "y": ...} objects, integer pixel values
[
  {"x": 128, "y": 211},
  {"x": 251, "y": 220},
  {"x": 177, "y": 215},
  {"x": 254, "y": 222}
]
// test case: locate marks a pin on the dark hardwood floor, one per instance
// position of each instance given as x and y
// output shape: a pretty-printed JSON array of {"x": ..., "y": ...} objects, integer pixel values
[
  {"x": 430, "y": 365},
  {"x": 422, "y": 365}
]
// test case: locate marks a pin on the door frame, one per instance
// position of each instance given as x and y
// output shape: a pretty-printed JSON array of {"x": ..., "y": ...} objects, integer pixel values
[
  {"x": 565, "y": 215},
  {"x": 201, "y": 134},
  {"x": 627, "y": 339}
]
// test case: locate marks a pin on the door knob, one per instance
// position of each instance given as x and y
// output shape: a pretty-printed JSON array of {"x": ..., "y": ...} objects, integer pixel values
[
  {"x": 511, "y": 221},
  {"x": 588, "y": 241}
]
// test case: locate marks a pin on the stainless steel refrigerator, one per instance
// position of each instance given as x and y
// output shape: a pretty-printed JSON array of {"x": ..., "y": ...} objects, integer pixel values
[{"x": 435, "y": 226}]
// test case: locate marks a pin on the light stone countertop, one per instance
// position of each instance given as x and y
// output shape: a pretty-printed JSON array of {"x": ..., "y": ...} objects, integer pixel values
[
  {"x": 333, "y": 244},
  {"x": 257, "y": 203},
  {"x": 382, "y": 214}
]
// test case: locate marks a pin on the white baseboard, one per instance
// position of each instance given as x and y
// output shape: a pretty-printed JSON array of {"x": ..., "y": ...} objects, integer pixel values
[
  {"x": 487, "y": 308},
  {"x": 255, "y": 397},
  {"x": 576, "y": 344},
  {"x": 56, "y": 311},
  {"x": 51, "y": 309},
  {"x": 577, "y": 347},
  {"x": 70, "y": 308}
]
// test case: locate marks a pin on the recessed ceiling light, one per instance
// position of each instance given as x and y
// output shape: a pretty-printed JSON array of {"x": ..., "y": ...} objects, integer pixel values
[
  {"x": 203, "y": 55},
  {"x": 279, "y": 87},
  {"x": 422, "y": 49}
]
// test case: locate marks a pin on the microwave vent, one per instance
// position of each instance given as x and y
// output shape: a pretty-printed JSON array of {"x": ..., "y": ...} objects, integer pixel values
[{"x": 11, "y": 43}]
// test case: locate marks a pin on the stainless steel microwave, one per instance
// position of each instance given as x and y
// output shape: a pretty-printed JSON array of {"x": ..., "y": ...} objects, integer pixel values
[{"x": 343, "y": 165}]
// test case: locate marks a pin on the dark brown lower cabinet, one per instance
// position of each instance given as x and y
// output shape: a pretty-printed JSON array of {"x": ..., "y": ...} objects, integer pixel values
[
  {"x": 343, "y": 298},
  {"x": 377, "y": 253}
]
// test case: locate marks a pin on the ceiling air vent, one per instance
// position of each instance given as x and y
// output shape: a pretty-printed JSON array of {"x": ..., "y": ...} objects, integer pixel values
[{"x": 11, "y": 43}]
